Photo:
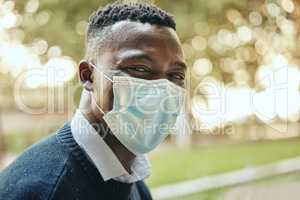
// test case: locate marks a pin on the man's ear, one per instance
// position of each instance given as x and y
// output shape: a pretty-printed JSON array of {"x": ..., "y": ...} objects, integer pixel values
[
  {"x": 85, "y": 71},
  {"x": 85, "y": 74}
]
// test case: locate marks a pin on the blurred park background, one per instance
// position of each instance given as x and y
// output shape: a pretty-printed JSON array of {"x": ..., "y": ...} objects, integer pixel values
[{"x": 244, "y": 76}]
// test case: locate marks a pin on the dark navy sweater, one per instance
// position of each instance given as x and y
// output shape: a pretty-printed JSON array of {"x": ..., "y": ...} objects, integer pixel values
[{"x": 57, "y": 169}]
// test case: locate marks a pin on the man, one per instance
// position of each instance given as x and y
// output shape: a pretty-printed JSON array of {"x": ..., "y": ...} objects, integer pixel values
[{"x": 133, "y": 78}]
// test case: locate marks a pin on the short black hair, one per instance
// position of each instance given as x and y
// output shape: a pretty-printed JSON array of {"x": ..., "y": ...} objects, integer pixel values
[
  {"x": 138, "y": 12},
  {"x": 98, "y": 29}
]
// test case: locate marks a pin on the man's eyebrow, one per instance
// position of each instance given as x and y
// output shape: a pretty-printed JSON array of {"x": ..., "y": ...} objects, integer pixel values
[
  {"x": 141, "y": 55},
  {"x": 134, "y": 54}
]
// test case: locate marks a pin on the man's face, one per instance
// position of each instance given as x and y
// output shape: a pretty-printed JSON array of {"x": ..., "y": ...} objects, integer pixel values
[{"x": 141, "y": 50}]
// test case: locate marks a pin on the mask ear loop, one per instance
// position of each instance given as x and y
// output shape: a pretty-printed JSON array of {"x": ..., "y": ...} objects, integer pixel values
[
  {"x": 107, "y": 77},
  {"x": 92, "y": 93},
  {"x": 94, "y": 99}
]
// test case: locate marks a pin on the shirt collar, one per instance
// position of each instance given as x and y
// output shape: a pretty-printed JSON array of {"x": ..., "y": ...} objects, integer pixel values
[{"x": 102, "y": 156}]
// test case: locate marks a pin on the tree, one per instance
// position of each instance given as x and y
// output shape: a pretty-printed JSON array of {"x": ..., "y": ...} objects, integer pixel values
[{"x": 64, "y": 19}]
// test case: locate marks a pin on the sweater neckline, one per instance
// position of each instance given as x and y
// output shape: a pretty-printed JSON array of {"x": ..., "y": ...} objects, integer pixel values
[{"x": 64, "y": 135}]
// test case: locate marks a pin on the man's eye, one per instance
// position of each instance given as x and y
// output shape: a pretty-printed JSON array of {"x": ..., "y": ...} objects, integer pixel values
[
  {"x": 137, "y": 69},
  {"x": 177, "y": 77}
]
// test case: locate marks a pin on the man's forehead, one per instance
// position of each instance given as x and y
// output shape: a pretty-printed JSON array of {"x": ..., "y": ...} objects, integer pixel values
[
  {"x": 137, "y": 36},
  {"x": 126, "y": 30},
  {"x": 131, "y": 25}
]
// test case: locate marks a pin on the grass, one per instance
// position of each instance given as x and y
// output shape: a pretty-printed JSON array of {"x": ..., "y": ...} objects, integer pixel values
[{"x": 173, "y": 165}]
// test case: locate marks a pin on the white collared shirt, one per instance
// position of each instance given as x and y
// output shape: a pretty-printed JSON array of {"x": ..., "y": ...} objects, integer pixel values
[{"x": 102, "y": 156}]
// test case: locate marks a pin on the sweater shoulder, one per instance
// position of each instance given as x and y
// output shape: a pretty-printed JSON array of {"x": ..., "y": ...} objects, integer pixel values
[{"x": 35, "y": 172}]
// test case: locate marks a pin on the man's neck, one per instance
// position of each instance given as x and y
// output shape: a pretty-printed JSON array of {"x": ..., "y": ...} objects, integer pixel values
[{"x": 124, "y": 155}]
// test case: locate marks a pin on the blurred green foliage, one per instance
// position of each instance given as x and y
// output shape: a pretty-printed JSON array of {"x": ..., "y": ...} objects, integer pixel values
[{"x": 65, "y": 16}]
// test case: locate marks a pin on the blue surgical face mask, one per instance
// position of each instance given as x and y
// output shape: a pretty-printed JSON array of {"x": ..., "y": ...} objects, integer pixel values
[{"x": 144, "y": 111}]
